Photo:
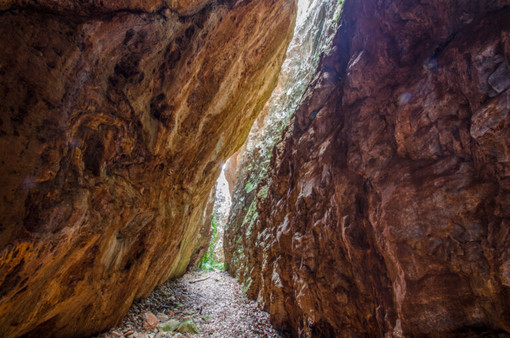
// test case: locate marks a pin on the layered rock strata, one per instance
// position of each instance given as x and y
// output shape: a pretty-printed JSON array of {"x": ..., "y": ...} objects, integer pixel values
[
  {"x": 115, "y": 117},
  {"x": 389, "y": 208}
]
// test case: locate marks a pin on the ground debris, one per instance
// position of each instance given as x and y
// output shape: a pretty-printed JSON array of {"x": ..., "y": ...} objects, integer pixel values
[
  {"x": 199, "y": 280},
  {"x": 215, "y": 307}
]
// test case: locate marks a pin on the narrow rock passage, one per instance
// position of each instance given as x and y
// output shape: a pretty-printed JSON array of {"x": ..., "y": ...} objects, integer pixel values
[{"x": 210, "y": 301}]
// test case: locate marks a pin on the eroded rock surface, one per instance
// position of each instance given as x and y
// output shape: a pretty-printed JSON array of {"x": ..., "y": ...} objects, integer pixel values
[
  {"x": 115, "y": 116},
  {"x": 388, "y": 212},
  {"x": 315, "y": 27},
  {"x": 204, "y": 236}
]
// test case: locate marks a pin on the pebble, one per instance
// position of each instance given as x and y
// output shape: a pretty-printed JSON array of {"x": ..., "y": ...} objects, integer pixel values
[
  {"x": 162, "y": 317},
  {"x": 149, "y": 320}
]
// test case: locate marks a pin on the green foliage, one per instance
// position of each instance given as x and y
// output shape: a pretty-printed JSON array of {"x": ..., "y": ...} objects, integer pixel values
[
  {"x": 337, "y": 16},
  {"x": 208, "y": 262},
  {"x": 315, "y": 58},
  {"x": 249, "y": 187},
  {"x": 213, "y": 265}
]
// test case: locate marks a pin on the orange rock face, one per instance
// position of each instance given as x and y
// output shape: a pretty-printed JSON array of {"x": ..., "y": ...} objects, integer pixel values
[
  {"x": 389, "y": 211},
  {"x": 115, "y": 117}
]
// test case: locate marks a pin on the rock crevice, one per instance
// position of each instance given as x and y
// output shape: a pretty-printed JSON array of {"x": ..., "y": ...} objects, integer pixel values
[{"x": 113, "y": 126}]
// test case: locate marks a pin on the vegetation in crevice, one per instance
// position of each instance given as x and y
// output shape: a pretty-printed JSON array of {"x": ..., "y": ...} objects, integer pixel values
[{"x": 208, "y": 262}]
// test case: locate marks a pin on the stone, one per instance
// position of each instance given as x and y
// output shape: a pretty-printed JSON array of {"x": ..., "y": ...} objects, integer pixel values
[
  {"x": 500, "y": 79},
  {"x": 169, "y": 326},
  {"x": 115, "y": 118},
  {"x": 150, "y": 321},
  {"x": 387, "y": 210},
  {"x": 188, "y": 327},
  {"x": 162, "y": 317}
]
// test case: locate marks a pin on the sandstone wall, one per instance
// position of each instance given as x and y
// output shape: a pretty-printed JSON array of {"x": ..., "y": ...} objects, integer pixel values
[
  {"x": 389, "y": 208},
  {"x": 115, "y": 116}
]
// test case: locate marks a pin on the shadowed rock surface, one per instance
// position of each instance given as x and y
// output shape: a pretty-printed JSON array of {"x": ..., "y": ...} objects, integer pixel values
[
  {"x": 204, "y": 237},
  {"x": 388, "y": 212},
  {"x": 115, "y": 116}
]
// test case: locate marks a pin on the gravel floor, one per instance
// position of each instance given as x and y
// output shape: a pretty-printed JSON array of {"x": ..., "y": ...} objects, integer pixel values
[{"x": 212, "y": 300}]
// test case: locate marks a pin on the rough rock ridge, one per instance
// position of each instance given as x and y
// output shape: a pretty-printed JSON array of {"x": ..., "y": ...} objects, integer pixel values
[
  {"x": 115, "y": 116},
  {"x": 315, "y": 28},
  {"x": 389, "y": 208}
]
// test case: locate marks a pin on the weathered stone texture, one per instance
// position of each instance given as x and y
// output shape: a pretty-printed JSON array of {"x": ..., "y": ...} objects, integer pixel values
[
  {"x": 204, "y": 236},
  {"x": 315, "y": 27},
  {"x": 115, "y": 117},
  {"x": 389, "y": 209}
]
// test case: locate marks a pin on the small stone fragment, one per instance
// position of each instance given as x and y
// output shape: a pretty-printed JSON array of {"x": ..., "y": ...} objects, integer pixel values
[
  {"x": 500, "y": 79},
  {"x": 162, "y": 317},
  {"x": 188, "y": 327},
  {"x": 150, "y": 321},
  {"x": 169, "y": 326}
]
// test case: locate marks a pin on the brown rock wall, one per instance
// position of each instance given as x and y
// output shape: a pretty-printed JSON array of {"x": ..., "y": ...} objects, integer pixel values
[
  {"x": 98, "y": 7},
  {"x": 204, "y": 236},
  {"x": 388, "y": 209},
  {"x": 113, "y": 124}
]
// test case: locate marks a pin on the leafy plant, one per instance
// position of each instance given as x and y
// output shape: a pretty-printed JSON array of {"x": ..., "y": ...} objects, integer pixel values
[
  {"x": 249, "y": 187},
  {"x": 337, "y": 16},
  {"x": 208, "y": 262}
]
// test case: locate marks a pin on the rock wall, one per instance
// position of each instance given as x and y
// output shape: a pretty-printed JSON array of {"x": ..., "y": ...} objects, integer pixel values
[
  {"x": 231, "y": 169},
  {"x": 389, "y": 208},
  {"x": 315, "y": 26},
  {"x": 115, "y": 117},
  {"x": 205, "y": 234}
]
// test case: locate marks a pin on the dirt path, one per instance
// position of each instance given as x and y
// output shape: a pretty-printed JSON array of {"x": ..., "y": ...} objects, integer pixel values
[{"x": 209, "y": 301}]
